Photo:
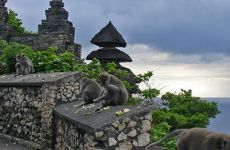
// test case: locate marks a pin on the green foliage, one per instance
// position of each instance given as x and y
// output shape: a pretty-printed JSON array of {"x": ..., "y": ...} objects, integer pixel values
[
  {"x": 44, "y": 61},
  {"x": 150, "y": 93},
  {"x": 184, "y": 103},
  {"x": 134, "y": 101},
  {"x": 111, "y": 68},
  {"x": 14, "y": 22},
  {"x": 50, "y": 61},
  {"x": 90, "y": 70},
  {"x": 145, "y": 78},
  {"x": 159, "y": 131},
  {"x": 184, "y": 111}
]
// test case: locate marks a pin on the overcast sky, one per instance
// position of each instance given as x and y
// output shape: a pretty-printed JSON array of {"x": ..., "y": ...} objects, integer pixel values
[{"x": 186, "y": 43}]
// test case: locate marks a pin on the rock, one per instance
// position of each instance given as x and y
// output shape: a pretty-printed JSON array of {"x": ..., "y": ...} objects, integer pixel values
[
  {"x": 135, "y": 143},
  {"x": 126, "y": 119},
  {"x": 7, "y": 104},
  {"x": 145, "y": 125},
  {"x": 121, "y": 126},
  {"x": 112, "y": 142},
  {"x": 132, "y": 133},
  {"x": 54, "y": 88},
  {"x": 132, "y": 124},
  {"x": 52, "y": 95},
  {"x": 143, "y": 139},
  {"x": 112, "y": 132},
  {"x": 99, "y": 134},
  {"x": 116, "y": 124},
  {"x": 125, "y": 146},
  {"x": 122, "y": 137}
]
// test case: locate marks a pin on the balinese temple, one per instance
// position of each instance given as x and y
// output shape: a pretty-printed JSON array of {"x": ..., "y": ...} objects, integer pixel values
[
  {"x": 55, "y": 30},
  {"x": 108, "y": 39}
]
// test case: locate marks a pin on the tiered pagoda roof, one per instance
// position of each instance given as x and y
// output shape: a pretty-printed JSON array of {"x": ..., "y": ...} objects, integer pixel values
[{"x": 109, "y": 38}]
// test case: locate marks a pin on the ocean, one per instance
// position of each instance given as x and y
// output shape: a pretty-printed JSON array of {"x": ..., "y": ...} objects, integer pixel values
[{"x": 222, "y": 121}]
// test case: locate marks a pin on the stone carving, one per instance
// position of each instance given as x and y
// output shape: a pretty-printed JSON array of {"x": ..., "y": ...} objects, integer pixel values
[{"x": 24, "y": 65}]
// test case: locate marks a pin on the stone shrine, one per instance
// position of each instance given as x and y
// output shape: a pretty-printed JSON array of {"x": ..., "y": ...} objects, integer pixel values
[
  {"x": 56, "y": 29},
  {"x": 109, "y": 38}
]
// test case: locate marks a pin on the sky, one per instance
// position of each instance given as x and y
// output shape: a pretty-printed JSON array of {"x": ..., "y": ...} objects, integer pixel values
[{"x": 185, "y": 43}]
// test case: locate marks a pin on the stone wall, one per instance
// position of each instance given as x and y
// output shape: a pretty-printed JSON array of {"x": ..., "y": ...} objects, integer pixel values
[
  {"x": 130, "y": 133},
  {"x": 26, "y": 105},
  {"x": 101, "y": 130}
]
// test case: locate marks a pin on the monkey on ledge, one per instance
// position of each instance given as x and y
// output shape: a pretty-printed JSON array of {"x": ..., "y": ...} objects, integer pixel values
[
  {"x": 23, "y": 65},
  {"x": 109, "y": 90},
  {"x": 114, "y": 91}
]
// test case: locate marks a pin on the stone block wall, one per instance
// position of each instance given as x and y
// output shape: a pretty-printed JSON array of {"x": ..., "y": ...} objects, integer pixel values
[
  {"x": 127, "y": 134},
  {"x": 26, "y": 105},
  {"x": 27, "y": 39},
  {"x": 83, "y": 128}
]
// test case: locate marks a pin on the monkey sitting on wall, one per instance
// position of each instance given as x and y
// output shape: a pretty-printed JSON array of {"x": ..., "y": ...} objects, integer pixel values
[
  {"x": 24, "y": 65},
  {"x": 114, "y": 89},
  {"x": 89, "y": 90},
  {"x": 197, "y": 139}
]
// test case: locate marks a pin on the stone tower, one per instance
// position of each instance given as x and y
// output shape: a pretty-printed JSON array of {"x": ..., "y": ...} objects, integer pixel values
[
  {"x": 56, "y": 30},
  {"x": 108, "y": 39}
]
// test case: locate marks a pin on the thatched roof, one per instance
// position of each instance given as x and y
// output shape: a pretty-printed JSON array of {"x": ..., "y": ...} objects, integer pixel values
[
  {"x": 109, "y": 54},
  {"x": 108, "y": 37}
]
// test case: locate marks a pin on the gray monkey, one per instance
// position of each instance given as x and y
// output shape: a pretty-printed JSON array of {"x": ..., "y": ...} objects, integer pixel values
[
  {"x": 114, "y": 89},
  {"x": 89, "y": 90},
  {"x": 197, "y": 139},
  {"x": 24, "y": 65}
]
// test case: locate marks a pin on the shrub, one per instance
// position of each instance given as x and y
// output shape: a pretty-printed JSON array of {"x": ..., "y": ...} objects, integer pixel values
[
  {"x": 183, "y": 111},
  {"x": 14, "y": 22},
  {"x": 159, "y": 131},
  {"x": 44, "y": 61}
]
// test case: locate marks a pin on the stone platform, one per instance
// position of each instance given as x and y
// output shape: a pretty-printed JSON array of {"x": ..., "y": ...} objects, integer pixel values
[
  {"x": 34, "y": 80},
  {"x": 83, "y": 127},
  {"x": 91, "y": 121}
]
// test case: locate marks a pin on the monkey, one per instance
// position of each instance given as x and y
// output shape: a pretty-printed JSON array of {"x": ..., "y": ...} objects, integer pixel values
[
  {"x": 24, "y": 65},
  {"x": 89, "y": 90},
  {"x": 197, "y": 139},
  {"x": 114, "y": 89}
]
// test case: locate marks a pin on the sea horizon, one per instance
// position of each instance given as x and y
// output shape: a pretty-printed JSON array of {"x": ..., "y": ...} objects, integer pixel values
[{"x": 222, "y": 121}]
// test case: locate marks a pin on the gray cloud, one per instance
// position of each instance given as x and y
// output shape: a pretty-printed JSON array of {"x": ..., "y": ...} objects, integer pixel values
[{"x": 176, "y": 26}]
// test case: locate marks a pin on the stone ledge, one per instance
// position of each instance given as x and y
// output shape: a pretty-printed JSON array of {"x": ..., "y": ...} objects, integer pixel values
[
  {"x": 91, "y": 121},
  {"x": 36, "y": 80}
]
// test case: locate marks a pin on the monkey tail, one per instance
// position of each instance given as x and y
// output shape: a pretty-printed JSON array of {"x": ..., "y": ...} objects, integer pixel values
[{"x": 174, "y": 133}]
